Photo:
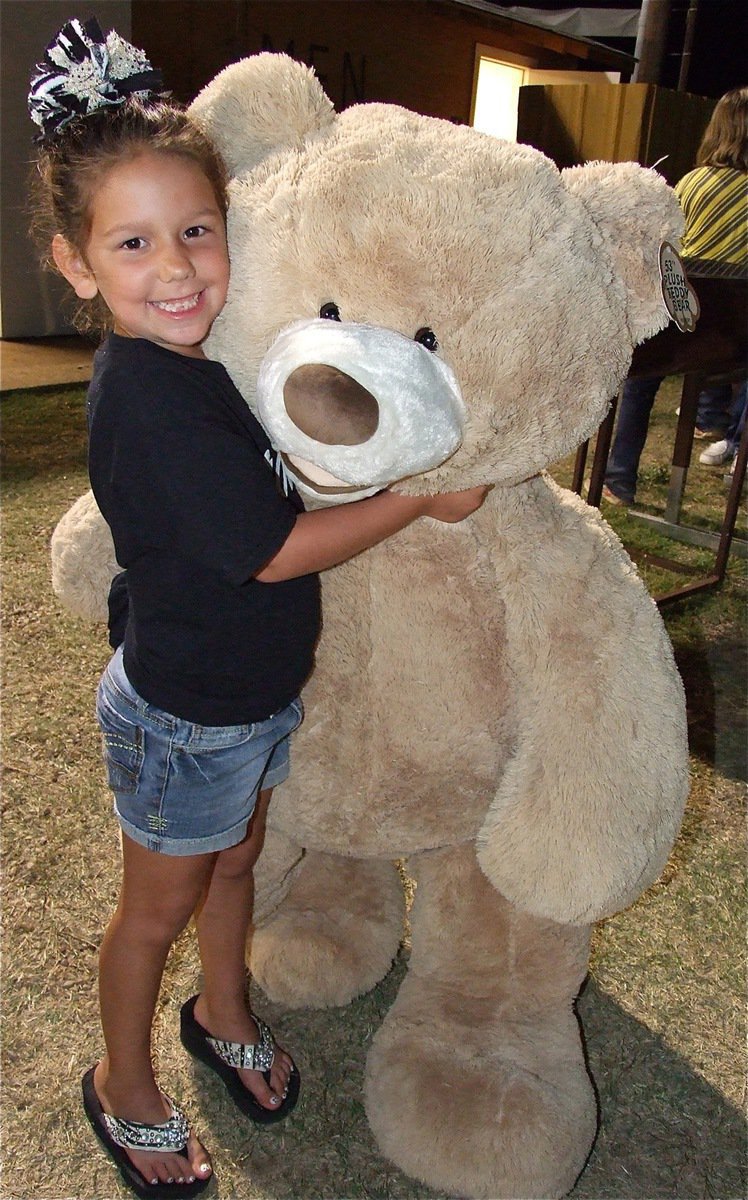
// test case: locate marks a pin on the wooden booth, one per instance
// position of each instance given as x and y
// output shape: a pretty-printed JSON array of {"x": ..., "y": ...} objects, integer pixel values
[
  {"x": 422, "y": 54},
  {"x": 634, "y": 122}
]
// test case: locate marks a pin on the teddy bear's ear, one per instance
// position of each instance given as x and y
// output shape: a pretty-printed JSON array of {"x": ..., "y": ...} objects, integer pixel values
[
  {"x": 634, "y": 211},
  {"x": 259, "y": 105}
]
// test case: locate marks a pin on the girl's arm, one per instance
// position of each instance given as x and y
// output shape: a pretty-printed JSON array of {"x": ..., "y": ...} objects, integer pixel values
[{"x": 326, "y": 537}]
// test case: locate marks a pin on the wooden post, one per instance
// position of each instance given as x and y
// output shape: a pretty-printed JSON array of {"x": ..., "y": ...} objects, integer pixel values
[
  {"x": 650, "y": 40},
  {"x": 688, "y": 37}
]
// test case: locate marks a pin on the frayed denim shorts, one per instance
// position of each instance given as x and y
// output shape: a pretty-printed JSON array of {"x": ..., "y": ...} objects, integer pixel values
[{"x": 181, "y": 788}]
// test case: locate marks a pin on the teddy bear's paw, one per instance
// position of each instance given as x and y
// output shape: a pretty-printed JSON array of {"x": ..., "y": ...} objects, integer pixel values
[
  {"x": 334, "y": 936},
  {"x": 481, "y": 1106}
]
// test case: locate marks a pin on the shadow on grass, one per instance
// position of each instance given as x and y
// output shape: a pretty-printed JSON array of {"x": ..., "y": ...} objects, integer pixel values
[
  {"x": 44, "y": 432},
  {"x": 664, "y": 1131},
  {"x": 714, "y": 673}
]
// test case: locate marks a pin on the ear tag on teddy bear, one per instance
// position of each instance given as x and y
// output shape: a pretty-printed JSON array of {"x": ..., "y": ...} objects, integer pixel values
[{"x": 681, "y": 301}]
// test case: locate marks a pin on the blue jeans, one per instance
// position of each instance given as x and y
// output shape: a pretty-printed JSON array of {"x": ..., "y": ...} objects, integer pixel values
[
  {"x": 738, "y": 415},
  {"x": 634, "y": 410},
  {"x": 715, "y": 409}
]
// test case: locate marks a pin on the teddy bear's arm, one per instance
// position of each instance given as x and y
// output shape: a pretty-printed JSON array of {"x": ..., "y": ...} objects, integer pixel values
[
  {"x": 83, "y": 560},
  {"x": 590, "y": 804}
]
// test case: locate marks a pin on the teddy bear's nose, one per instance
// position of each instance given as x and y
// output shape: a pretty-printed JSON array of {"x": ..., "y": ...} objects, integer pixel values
[{"x": 329, "y": 406}]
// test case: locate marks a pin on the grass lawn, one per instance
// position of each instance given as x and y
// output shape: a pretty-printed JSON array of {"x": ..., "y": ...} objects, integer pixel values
[{"x": 664, "y": 1008}]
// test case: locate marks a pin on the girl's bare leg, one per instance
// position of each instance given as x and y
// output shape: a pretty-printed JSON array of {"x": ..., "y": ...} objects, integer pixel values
[
  {"x": 223, "y": 920},
  {"x": 159, "y": 894}
]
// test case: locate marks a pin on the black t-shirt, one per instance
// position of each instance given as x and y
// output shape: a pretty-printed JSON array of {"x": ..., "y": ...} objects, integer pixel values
[{"x": 197, "y": 504}]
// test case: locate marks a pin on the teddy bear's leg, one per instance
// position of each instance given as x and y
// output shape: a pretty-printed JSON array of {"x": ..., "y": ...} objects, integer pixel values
[
  {"x": 274, "y": 872},
  {"x": 476, "y": 1082},
  {"x": 335, "y": 934}
]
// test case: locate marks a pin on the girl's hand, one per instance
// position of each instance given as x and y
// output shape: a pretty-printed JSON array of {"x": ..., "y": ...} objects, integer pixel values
[{"x": 455, "y": 506}]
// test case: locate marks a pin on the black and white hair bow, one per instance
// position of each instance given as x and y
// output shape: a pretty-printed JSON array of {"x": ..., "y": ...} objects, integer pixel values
[{"x": 82, "y": 71}]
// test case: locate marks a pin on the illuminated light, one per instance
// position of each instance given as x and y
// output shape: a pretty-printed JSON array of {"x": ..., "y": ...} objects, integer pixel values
[{"x": 497, "y": 98}]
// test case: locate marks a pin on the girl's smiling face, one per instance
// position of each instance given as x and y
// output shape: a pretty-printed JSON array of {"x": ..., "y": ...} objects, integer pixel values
[{"x": 156, "y": 251}]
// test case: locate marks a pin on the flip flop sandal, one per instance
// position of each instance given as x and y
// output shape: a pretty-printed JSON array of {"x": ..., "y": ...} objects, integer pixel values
[
  {"x": 225, "y": 1058},
  {"x": 117, "y": 1135}
]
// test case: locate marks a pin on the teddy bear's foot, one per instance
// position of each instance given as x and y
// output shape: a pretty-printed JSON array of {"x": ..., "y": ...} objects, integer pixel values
[
  {"x": 476, "y": 1082},
  {"x": 335, "y": 934}
]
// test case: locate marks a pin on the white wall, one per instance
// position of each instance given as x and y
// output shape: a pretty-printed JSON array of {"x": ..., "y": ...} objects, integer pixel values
[{"x": 29, "y": 297}]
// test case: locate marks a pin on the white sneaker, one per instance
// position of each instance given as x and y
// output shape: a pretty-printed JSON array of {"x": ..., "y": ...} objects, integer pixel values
[
  {"x": 718, "y": 453},
  {"x": 611, "y": 496}
]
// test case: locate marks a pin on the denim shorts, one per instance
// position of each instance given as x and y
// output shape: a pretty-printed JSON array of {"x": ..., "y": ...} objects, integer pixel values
[{"x": 181, "y": 788}]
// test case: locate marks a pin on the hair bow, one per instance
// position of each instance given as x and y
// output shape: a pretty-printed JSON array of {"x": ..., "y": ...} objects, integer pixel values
[{"x": 82, "y": 72}]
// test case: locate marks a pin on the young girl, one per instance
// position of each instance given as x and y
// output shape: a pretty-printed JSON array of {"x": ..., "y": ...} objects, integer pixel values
[{"x": 197, "y": 704}]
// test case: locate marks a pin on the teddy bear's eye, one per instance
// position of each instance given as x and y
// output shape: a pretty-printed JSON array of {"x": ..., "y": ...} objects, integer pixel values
[
  {"x": 330, "y": 312},
  {"x": 427, "y": 338}
]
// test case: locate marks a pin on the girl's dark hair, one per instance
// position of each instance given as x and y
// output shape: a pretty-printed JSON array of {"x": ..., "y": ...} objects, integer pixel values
[
  {"x": 725, "y": 142},
  {"x": 71, "y": 166}
]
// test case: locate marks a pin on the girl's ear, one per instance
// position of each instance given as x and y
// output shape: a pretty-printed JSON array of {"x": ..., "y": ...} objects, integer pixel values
[{"x": 73, "y": 266}]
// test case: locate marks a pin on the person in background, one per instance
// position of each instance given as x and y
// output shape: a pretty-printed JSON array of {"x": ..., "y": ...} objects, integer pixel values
[
  {"x": 726, "y": 449},
  {"x": 714, "y": 199}
]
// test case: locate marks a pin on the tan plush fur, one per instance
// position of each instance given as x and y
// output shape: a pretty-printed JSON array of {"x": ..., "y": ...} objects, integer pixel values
[{"x": 495, "y": 701}]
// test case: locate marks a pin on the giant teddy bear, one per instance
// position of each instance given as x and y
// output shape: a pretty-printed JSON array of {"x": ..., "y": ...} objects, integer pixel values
[{"x": 495, "y": 702}]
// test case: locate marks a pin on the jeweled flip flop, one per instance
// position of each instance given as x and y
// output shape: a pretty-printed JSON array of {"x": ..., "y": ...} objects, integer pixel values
[
  {"x": 117, "y": 1136},
  {"x": 226, "y": 1058}
]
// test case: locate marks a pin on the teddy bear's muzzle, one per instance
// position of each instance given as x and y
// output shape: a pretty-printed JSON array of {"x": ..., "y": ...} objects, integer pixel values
[{"x": 354, "y": 408}]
